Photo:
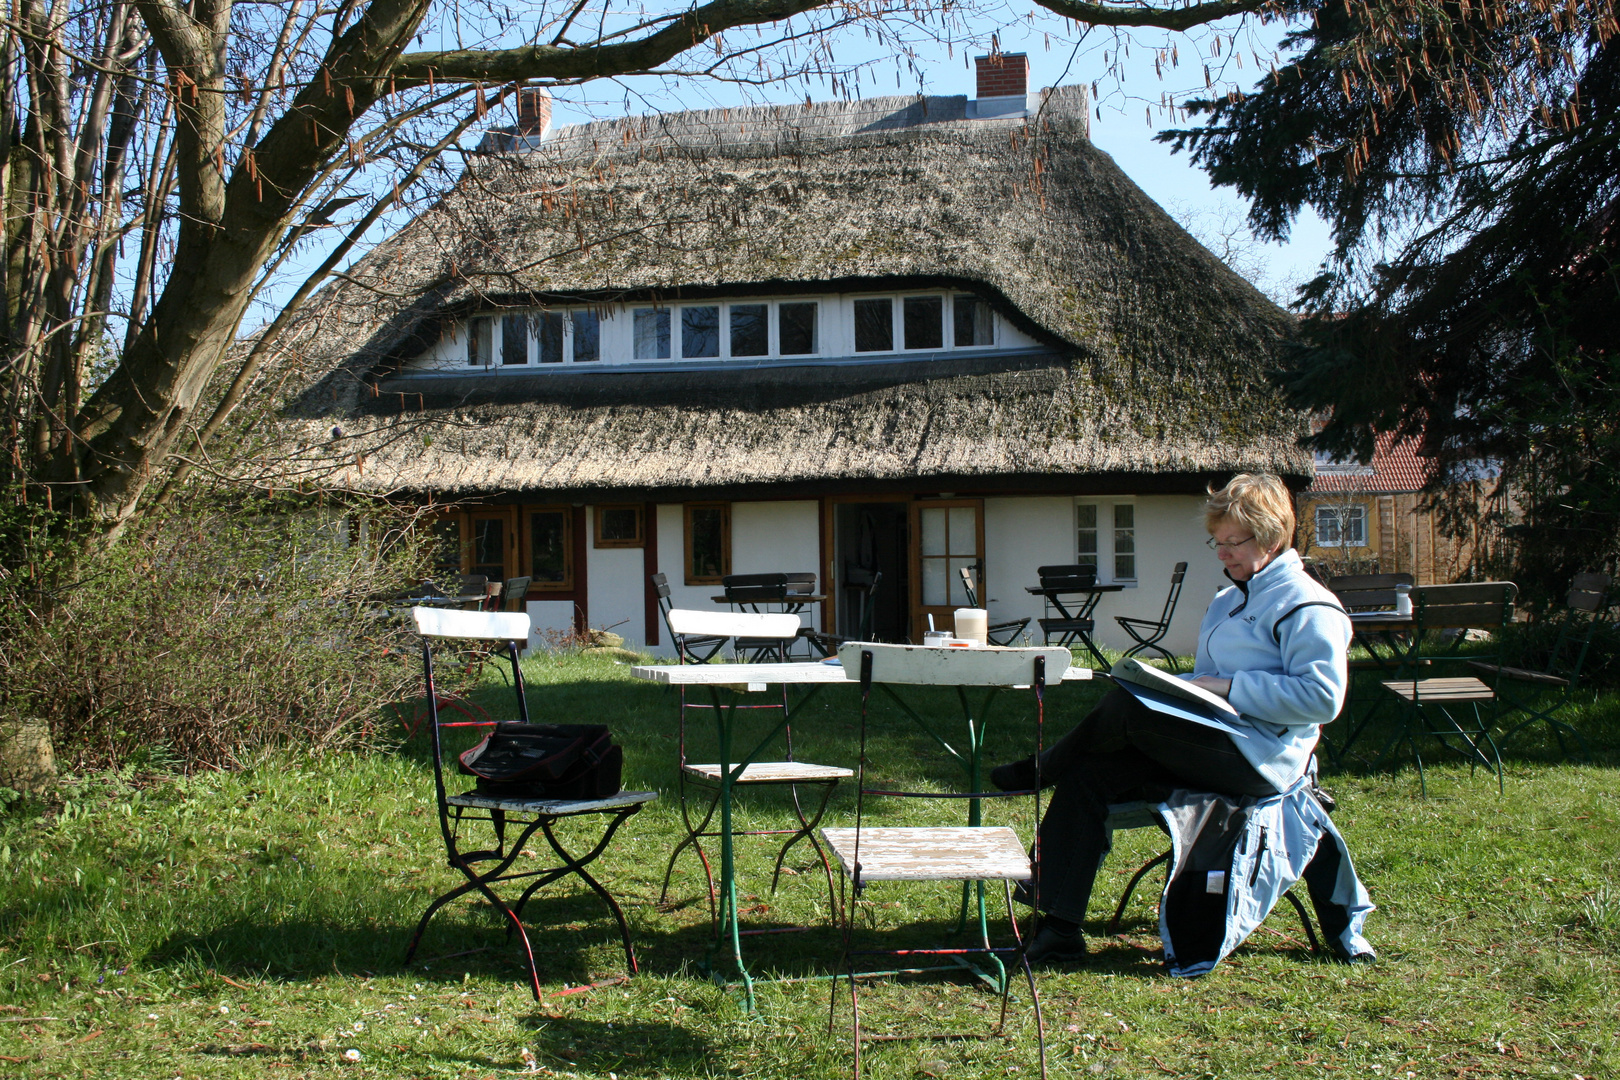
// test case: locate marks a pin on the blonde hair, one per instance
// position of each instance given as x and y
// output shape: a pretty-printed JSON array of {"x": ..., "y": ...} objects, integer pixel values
[{"x": 1259, "y": 502}]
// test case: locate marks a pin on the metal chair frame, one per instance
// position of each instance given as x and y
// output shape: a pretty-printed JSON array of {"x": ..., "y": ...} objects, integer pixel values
[
  {"x": 1076, "y": 623},
  {"x": 689, "y": 649},
  {"x": 1435, "y": 607},
  {"x": 460, "y": 815},
  {"x": 900, "y": 840},
  {"x": 1155, "y": 629},
  {"x": 1005, "y": 632},
  {"x": 754, "y": 593},
  {"x": 701, "y": 778},
  {"x": 1586, "y": 609}
]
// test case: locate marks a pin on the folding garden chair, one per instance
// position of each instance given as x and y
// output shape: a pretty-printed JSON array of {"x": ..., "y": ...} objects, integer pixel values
[
  {"x": 700, "y": 788},
  {"x": 1458, "y": 712},
  {"x": 1006, "y": 632},
  {"x": 512, "y": 822},
  {"x": 691, "y": 649},
  {"x": 1147, "y": 633},
  {"x": 861, "y": 586},
  {"x": 1540, "y": 694},
  {"x": 971, "y": 854},
  {"x": 756, "y": 594}
]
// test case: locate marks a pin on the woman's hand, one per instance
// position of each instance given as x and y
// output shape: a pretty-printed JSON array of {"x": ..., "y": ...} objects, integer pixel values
[{"x": 1222, "y": 687}]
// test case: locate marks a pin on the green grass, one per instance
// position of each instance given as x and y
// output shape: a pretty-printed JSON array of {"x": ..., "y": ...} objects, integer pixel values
[{"x": 253, "y": 924}]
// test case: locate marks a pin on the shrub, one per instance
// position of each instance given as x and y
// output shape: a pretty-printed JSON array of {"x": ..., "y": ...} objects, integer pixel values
[{"x": 208, "y": 632}]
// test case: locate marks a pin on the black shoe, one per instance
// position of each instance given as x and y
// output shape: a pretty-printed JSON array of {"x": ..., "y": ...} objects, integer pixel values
[
  {"x": 1051, "y": 946},
  {"x": 1015, "y": 776}
]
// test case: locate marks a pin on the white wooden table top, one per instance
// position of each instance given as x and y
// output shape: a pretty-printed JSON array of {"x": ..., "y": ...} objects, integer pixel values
[
  {"x": 754, "y": 676},
  {"x": 757, "y": 676},
  {"x": 958, "y": 853}
]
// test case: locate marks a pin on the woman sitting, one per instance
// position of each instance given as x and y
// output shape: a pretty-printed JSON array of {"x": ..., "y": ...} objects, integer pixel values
[{"x": 1273, "y": 644}]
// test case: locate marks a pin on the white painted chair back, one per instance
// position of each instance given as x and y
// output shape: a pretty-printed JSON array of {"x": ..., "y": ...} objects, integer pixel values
[
  {"x": 927, "y": 665},
  {"x": 728, "y": 624},
  {"x": 478, "y": 625}
]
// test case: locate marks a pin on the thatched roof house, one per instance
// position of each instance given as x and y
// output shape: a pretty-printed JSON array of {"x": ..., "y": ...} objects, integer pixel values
[{"x": 1070, "y": 340}]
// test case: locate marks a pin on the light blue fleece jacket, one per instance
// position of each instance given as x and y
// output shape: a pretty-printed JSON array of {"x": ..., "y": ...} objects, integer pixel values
[{"x": 1282, "y": 638}]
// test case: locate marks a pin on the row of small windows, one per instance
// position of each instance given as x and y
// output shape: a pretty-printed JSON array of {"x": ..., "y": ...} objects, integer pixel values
[{"x": 732, "y": 330}]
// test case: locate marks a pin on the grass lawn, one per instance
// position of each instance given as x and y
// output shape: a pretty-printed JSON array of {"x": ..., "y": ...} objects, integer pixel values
[{"x": 253, "y": 924}]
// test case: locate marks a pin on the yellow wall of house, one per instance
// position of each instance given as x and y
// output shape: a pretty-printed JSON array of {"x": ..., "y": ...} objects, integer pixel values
[{"x": 1402, "y": 537}]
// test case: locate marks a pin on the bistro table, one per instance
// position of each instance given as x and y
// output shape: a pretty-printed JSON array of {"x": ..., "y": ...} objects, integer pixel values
[
  {"x": 734, "y": 760},
  {"x": 757, "y": 678},
  {"x": 1089, "y": 595}
]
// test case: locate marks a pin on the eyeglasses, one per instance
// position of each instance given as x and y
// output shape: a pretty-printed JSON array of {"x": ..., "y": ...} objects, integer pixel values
[{"x": 1216, "y": 545}]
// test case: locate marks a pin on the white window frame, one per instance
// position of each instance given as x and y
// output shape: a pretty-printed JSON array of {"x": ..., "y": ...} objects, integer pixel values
[
  {"x": 1106, "y": 537},
  {"x": 950, "y": 321},
  {"x": 1341, "y": 515},
  {"x": 834, "y": 330}
]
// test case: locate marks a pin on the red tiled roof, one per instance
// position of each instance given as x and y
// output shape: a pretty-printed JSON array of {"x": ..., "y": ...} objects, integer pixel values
[{"x": 1395, "y": 467}]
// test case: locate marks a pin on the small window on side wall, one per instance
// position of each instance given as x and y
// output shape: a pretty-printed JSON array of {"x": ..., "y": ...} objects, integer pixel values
[
  {"x": 619, "y": 526},
  {"x": 549, "y": 545},
  {"x": 1341, "y": 525},
  {"x": 708, "y": 543}
]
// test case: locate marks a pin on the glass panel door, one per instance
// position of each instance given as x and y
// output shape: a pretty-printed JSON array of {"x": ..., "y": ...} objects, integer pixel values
[
  {"x": 489, "y": 544},
  {"x": 949, "y": 535}
]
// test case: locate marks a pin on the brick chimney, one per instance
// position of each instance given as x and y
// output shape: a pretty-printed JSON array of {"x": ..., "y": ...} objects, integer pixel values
[
  {"x": 1002, "y": 75},
  {"x": 534, "y": 112}
]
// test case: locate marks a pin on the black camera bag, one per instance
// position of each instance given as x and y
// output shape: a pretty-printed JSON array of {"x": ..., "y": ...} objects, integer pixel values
[{"x": 546, "y": 761}]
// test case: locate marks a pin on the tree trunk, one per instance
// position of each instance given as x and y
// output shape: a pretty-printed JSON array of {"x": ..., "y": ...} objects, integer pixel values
[{"x": 27, "y": 760}]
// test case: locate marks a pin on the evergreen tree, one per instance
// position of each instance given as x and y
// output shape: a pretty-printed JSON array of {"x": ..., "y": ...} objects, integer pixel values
[{"x": 1468, "y": 158}]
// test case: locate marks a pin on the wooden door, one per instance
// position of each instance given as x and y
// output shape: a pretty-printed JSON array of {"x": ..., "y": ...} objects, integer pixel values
[
  {"x": 946, "y": 535},
  {"x": 490, "y": 543}
]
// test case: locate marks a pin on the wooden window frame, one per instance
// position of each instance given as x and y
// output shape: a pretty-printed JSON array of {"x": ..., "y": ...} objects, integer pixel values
[
  {"x": 725, "y": 543},
  {"x": 639, "y": 540},
  {"x": 528, "y": 510}
]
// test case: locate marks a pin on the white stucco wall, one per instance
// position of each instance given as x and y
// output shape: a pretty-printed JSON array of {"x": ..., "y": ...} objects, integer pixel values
[
  {"x": 1021, "y": 534},
  {"x": 615, "y": 591},
  {"x": 766, "y": 537},
  {"x": 556, "y": 616}
]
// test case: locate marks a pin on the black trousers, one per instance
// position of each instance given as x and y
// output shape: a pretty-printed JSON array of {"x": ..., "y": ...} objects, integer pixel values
[{"x": 1121, "y": 751}]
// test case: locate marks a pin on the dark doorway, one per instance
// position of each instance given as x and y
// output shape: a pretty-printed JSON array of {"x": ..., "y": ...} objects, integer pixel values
[{"x": 873, "y": 536}]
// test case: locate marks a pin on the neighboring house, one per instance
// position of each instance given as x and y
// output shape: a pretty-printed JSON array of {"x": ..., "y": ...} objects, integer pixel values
[
  {"x": 908, "y": 334},
  {"x": 1357, "y": 518}
]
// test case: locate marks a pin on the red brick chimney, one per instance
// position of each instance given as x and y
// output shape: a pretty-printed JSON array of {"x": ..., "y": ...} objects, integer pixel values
[
  {"x": 1003, "y": 75},
  {"x": 534, "y": 111}
]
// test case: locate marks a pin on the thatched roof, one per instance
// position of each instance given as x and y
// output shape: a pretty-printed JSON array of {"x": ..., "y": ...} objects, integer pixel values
[{"x": 1153, "y": 375}]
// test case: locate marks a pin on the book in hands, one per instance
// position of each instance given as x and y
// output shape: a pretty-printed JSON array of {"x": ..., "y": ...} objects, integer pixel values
[{"x": 1168, "y": 694}]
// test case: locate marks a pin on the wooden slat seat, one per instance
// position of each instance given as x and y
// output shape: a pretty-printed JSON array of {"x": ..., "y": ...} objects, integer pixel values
[
  {"x": 1541, "y": 678},
  {"x": 774, "y": 772},
  {"x": 1441, "y": 691},
  {"x": 478, "y": 800},
  {"x": 1367, "y": 592},
  {"x": 958, "y": 853}
]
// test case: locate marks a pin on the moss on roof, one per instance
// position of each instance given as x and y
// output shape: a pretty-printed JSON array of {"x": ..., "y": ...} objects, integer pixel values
[{"x": 1157, "y": 349}]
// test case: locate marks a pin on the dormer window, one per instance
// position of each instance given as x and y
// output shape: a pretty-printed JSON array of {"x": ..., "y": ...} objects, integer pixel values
[
  {"x": 586, "y": 342},
  {"x": 835, "y": 328},
  {"x": 975, "y": 323},
  {"x": 652, "y": 333},
  {"x": 480, "y": 333},
  {"x": 924, "y": 322},
  {"x": 750, "y": 330},
  {"x": 874, "y": 325},
  {"x": 700, "y": 332},
  {"x": 796, "y": 329}
]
